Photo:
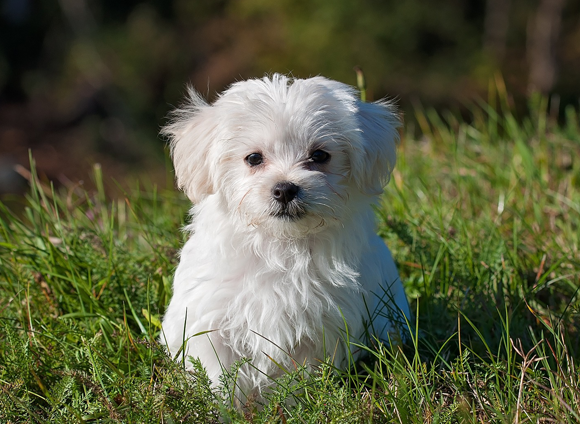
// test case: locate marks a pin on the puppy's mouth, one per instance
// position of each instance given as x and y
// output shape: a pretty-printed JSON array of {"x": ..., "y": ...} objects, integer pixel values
[
  {"x": 288, "y": 216},
  {"x": 292, "y": 211}
]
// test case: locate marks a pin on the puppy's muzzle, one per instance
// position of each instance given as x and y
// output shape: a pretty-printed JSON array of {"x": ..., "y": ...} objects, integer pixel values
[
  {"x": 287, "y": 204},
  {"x": 284, "y": 192}
]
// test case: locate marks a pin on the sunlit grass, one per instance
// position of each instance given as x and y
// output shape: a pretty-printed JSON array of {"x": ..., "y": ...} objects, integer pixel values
[{"x": 482, "y": 218}]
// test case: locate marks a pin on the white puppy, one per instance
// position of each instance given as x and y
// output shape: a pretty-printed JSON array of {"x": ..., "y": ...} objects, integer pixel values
[{"x": 283, "y": 257}]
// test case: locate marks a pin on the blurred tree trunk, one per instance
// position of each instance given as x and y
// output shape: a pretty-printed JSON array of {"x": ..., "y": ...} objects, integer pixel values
[
  {"x": 543, "y": 33},
  {"x": 496, "y": 27}
]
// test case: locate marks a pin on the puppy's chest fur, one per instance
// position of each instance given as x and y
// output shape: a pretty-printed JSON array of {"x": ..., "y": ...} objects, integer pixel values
[
  {"x": 274, "y": 294},
  {"x": 263, "y": 295}
]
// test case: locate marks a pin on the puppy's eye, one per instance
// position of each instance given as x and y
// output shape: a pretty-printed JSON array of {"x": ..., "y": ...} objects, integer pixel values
[
  {"x": 254, "y": 159},
  {"x": 320, "y": 156}
]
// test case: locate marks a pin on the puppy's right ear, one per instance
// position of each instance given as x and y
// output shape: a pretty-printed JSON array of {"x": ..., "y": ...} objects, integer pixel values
[{"x": 192, "y": 131}]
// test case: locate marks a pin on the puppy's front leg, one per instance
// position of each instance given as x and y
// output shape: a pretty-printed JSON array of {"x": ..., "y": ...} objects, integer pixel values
[{"x": 213, "y": 353}]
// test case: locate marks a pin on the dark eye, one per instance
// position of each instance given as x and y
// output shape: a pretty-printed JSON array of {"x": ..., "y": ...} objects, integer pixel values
[
  {"x": 254, "y": 159},
  {"x": 320, "y": 156}
]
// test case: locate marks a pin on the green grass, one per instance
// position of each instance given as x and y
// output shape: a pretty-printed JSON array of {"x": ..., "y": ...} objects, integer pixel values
[{"x": 482, "y": 218}]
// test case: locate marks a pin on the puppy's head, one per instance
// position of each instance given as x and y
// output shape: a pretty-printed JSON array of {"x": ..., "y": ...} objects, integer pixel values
[{"x": 284, "y": 155}]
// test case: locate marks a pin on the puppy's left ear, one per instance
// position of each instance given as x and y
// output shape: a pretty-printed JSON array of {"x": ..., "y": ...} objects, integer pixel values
[{"x": 374, "y": 157}]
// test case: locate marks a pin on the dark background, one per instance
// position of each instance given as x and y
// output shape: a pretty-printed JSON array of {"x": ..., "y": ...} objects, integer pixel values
[{"x": 85, "y": 81}]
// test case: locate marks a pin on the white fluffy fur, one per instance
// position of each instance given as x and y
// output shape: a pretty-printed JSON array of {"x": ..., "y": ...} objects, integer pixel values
[{"x": 268, "y": 288}]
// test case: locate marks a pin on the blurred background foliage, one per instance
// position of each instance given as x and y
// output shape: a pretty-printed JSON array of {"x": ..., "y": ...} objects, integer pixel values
[{"x": 84, "y": 81}]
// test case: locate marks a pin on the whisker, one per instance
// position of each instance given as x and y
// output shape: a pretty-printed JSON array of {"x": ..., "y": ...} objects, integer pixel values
[
  {"x": 324, "y": 204},
  {"x": 334, "y": 191},
  {"x": 243, "y": 197}
]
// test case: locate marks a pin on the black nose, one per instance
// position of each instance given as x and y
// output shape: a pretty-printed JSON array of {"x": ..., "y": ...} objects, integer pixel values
[{"x": 284, "y": 192}]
